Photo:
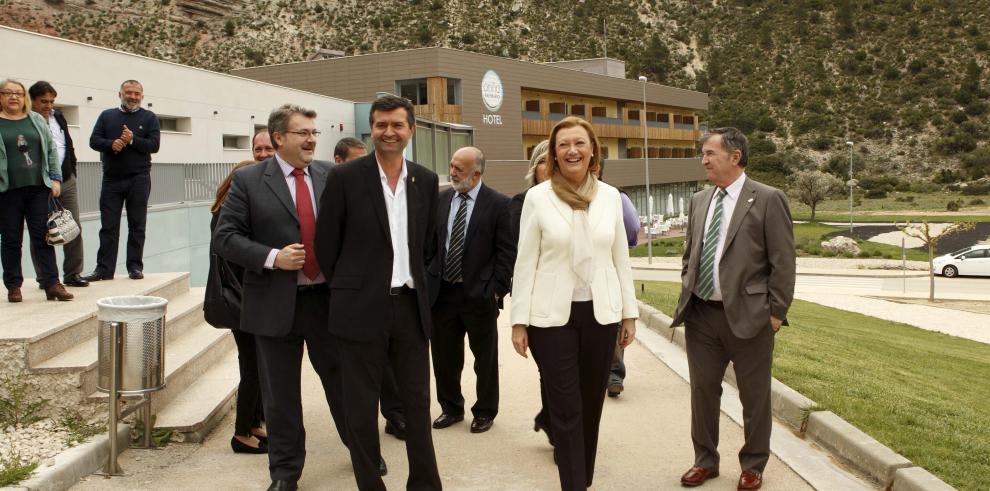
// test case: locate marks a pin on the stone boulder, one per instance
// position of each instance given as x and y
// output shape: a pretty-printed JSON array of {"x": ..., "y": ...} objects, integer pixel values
[{"x": 841, "y": 245}]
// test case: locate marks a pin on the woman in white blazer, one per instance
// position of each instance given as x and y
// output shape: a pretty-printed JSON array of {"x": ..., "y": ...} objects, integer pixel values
[{"x": 572, "y": 290}]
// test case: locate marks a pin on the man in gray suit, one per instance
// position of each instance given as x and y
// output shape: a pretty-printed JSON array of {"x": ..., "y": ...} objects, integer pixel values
[
  {"x": 267, "y": 225},
  {"x": 737, "y": 282}
]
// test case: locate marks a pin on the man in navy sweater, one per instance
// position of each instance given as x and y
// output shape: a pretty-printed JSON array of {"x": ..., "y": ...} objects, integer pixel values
[{"x": 125, "y": 136}]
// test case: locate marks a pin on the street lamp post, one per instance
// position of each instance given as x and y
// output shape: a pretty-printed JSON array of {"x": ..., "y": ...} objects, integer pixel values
[
  {"x": 646, "y": 160},
  {"x": 852, "y": 183}
]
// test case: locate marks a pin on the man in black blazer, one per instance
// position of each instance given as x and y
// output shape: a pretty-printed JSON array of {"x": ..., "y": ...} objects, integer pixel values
[
  {"x": 468, "y": 278},
  {"x": 373, "y": 241},
  {"x": 267, "y": 225},
  {"x": 43, "y": 102}
]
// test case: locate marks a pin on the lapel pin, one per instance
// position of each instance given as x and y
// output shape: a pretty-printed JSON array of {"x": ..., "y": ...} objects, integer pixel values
[
  {"x": 413, "y": 178},
  {"x": 750, "y": 200}
]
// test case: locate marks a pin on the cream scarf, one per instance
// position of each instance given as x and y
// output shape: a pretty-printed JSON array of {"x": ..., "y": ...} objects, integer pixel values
[{"x": 581, "y": 260}]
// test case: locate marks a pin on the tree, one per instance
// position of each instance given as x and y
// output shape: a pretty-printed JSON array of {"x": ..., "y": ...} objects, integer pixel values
[
  {"x": 923, "y": 232},
  {"x": 813, "y": 186}
]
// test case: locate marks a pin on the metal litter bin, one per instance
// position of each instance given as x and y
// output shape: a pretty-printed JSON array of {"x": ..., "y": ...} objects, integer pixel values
[
  {"x": 140, "y": 325},
  {"x": 131, "y": 359}
]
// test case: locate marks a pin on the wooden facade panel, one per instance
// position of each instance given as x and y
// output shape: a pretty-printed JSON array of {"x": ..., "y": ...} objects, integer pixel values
[{"x": 507, "y": 176}]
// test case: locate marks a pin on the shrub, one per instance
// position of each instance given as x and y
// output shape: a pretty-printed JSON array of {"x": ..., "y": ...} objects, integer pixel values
[
  {"x": 877, "y": 253},
  {"x": 863, "y": 254},
  {"x": 976, "y": 202},
  {"x": 828, "y": 253},
  {"x": 876, "y": 194},
  {"x": 976, "y": 190},
  {"x": 952, "y": 206}
]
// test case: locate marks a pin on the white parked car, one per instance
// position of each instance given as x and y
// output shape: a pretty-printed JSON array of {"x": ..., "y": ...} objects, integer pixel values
[{"x": 970, "y": 261}]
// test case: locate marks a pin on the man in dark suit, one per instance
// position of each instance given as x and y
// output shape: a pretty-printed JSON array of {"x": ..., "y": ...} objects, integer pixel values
[
  {"x": 737, "y": 283},
  {"x": 468, "y": 278},
  {"x": 43, "y": 102},
  {"x": 347, "y": 149},
  {"x": 373, "y": 241},
  {"x": 268, "y": 225}
]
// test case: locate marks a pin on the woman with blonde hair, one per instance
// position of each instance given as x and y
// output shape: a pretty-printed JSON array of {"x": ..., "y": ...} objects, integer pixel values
[
  {"x": 30, "y": 177},
  {"x": 573, "y": 293}
]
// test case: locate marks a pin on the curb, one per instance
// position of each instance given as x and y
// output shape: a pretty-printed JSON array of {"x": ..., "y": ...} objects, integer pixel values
[
  {"x": 917, "y": 479},
  {"x": 76, "y": 463},
  {"x": 841, "y": 439},
  {"x": 855, "y": 447}
]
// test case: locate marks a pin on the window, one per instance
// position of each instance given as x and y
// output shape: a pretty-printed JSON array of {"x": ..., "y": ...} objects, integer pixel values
[
  {"x": 599, "y": 112},
  {"x": 604, "y": 151},
  {"x": 175, "y": 124},
  {"x": 533, "y": 106},
  {"x": 558, "y": 107},
  {"x": 459, "y": 140},
  {"x": 651, "y": 116},
  {"x": 577, "y": 109},
  {"x": 634, "y": 153},
  {"x": 678, "y": 119},
  {"x": 236, "y": 142},
  {"x": 70, "y": 113},
  {"x": 688, "y": 119},
  {"x": 414, "y": 90},
  {"x": 664, "y": 118},
  {"x": 424, "y": 146},
  {"x": 453, "y": 91},
  {"x": 977, "y": 254},
  {"x": 634, "y": 115}
]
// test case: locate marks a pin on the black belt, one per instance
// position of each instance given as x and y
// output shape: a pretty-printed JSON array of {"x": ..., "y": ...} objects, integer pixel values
[
  {"x": 710, "y": 303},
  {"x": 401, "y": 290},
  {"x": 318, "y": 287}
]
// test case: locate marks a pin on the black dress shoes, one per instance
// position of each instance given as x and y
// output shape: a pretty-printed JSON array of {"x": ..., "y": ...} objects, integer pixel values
[
  {"x": 95, "y": 276},
  {"x": 445, "y": 420},
  {"x": 396, "y": 428},
  {"x": 382, "y": 468},
  {"x": 540, "y": 424},
  {"x": 240, "y": 447},
  {"x": 481, "y": 424},
  {"x": 75, "y": 280},
  {"x": 281, "y": 485},
  {"x": 135, "y": 275}
]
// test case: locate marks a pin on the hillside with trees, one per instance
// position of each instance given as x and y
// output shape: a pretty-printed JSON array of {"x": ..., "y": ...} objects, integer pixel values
[{"x": 905, "y": 80}]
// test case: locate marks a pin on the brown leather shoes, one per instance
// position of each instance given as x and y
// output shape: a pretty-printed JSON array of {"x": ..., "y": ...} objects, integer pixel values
[
  {"x": 14, "y": 295},
  {"x": 750, "y": 480},
  {"x": 58, "y": 292},
  {"x": 696, "y": 476}
]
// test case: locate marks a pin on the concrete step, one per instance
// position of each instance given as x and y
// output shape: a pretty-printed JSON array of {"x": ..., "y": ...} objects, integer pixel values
[
  {"x": 184, "y": 312},
  {"x": 193, "y": 413},
  {"x": 51, "y": 328},
  {"x": 186, "y": 359}
]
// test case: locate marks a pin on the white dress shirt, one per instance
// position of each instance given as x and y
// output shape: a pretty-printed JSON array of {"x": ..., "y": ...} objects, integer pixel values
[
  {"x": 728, "y": 206},
  {"x": 290, "y": 180},
  {"x": 455, "y": 205},
  {"x": 398, "y": 226},
  {"x": 59, "y": 136}
]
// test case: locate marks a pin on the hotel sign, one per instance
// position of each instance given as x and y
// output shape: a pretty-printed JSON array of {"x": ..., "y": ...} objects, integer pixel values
[{"x": 492, "y": 94}]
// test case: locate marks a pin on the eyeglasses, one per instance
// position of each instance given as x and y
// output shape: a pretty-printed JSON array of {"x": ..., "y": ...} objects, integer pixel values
[
  {"x": 307, "y": 134},
  {"x": 9, "y": 93}
]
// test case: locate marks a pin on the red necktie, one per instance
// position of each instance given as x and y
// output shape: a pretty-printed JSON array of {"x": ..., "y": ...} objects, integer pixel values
[{"x": 307, "y": 223}]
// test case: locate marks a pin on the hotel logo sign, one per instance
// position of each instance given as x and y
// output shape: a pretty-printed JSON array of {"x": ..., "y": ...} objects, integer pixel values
[{"x": 491, "y": 95}]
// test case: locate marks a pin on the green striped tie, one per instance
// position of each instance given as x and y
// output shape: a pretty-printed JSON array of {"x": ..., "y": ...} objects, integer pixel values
[{"x": 706, "y": 274}]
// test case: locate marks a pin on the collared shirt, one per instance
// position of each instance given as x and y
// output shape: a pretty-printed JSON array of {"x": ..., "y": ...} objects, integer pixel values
[
  {"x": 59, "y": 136},
  {"x": 124, "y": 109},
  {"x": 455, "y": 204},
  {"x": 728, "y": 206},
  {"x": 398, "y": 217},
  {"x": 290, "y": 180}
]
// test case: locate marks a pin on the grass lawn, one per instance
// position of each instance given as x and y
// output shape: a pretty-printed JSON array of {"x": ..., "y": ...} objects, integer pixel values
[
  {"x": 807, "y": 240},
  {"x": 921, "y": 393},
  {"x": 896, "y": 207}
]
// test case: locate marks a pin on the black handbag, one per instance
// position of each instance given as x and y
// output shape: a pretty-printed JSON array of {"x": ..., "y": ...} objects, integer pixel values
[{"x": 222, "y": 305}]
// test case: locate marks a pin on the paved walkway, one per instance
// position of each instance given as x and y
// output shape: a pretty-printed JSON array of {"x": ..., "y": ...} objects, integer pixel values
[{"x": 645, "y": 441}]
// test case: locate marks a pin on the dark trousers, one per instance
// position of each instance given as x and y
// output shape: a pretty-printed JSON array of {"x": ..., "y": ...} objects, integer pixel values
[
  {"x": 617, "y": 372},
  {"x": 454, "y": 315},
  {"x": 28, "y": 204},
  {"x": 710, "y": 346},
  {"x": 574, "y": 360},
  {"x": 280, "y": 365},
  {"x": 73, "y": 262},
  {"x": 249, "y": 409},
  {"x": 391, "y": 403},
  {"x": 132, "y": 193},
  {"x": 362, "y": 365}
]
